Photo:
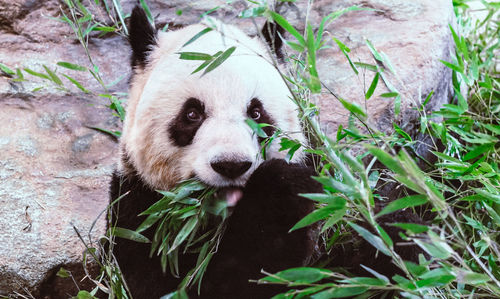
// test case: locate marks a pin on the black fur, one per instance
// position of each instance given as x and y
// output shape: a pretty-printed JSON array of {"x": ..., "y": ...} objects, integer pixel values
[
  {"x": 264, "y": 117},
  {"x": 142, "y": 37},
  {"x": 271, "y": 33},
  {"x": 143, "y": 275},
  {"x": 181, "y": 129},
  {"x": 256, "y": 236},
  {"x": 257, "y": 232}
]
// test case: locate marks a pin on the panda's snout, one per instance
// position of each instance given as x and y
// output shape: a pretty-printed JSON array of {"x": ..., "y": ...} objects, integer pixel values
[{"x": 231, "y": 169}]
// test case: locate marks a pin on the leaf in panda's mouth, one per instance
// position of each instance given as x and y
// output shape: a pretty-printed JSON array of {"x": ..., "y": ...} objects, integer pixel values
[{"x": 188, "y": 219}]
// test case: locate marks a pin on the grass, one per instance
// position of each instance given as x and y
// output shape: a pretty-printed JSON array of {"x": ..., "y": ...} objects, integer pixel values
[{"x": 460, "y": 191}]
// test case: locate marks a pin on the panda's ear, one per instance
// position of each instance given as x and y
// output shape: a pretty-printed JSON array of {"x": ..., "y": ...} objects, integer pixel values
[
  {"x": 142, "y": 36},
  {"x": 272, "y": 33}
]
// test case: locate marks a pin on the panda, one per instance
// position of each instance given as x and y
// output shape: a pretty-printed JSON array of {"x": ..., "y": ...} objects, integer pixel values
[{"x": 181, "y": 125}]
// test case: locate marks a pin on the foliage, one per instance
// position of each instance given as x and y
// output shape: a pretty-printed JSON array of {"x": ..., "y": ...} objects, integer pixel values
[{"x": 461, "y": 191}]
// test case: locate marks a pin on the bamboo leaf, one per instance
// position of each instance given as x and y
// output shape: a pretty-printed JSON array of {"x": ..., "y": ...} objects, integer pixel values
[
  {"x": 53, "y": 76},
  {"x": 72, "y": 66},
  {"x": 37, "y": 74},
  {"x": 6, "y": 69},
  {"x": 372, "y": 87},
  {"x": 288, "y": 27},
  {"x": 197, "y": 36},
  {"x": 403, "y": 203},
  {"x": 313, "y": 217},
  {"x": 129, "y": 235},
  {"x": 219, "y": 60},
  {"x": 300, "y": 275},
  {"x": 353, "y": 108},
  {"x": 371, "y": 238},
  {"x": 195, "y": 56},
  {"x": 184, "y": 233}
]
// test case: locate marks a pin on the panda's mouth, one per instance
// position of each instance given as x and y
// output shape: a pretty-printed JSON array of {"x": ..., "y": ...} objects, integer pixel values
[{"x": 231, "y": 195}]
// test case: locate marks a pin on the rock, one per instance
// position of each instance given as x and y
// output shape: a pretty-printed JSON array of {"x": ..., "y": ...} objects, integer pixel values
[
  {"x": 55, "y": 169},
  {"x": 54, "y": 172},
  {"x": 414, "y": 35}
]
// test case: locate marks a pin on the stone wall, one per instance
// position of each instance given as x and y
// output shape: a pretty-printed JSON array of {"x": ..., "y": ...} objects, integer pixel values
[{"x": 54, "y": 168}]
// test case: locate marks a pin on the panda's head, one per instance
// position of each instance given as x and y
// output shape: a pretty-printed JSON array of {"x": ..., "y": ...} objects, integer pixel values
[{"x": 181, "y": 125}]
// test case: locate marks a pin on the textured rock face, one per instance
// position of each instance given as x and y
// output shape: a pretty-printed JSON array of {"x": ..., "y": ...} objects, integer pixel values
[
  {"x": 53, "y": 171},
  {"x": 54, "y": 168},
  {"x": 413, "y": 34}
]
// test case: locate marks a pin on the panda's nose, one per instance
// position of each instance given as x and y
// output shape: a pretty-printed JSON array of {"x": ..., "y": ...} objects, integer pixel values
[{"x": 231, "y": 169}]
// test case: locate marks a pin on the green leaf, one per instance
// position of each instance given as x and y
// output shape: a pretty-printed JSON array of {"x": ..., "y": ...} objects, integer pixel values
[
  {"x": 315, "y": 84},
  {"x": 315, "y": 216},
  {"x": 104, "y": 29},
  {"x": 456, "y": 68},
  {"x": 477, "y": 151},
  {"x": 376, "y": 274},
  {"x": 149, "y": 15},
  {"x": 401, "y": 132},
  {"x": 462, "y": 102},
  {"x": 202, "y": 66},
  {"x": 194, "y": 56},
  {"x": 386, "y": 159},
  {"x": 389, "y": 94},
  {"x": 374, "y": 51},
  {"x": 435, "y": 246},
  {"x": 53, "y": 76},
  {"x": 84, "y": 295},
  {"x": 300, "y": 275},
  {"x": 219, "y": 60},
  {"x": 184, "y": 233},
  {"x": 295, "y": 46},
  {"x": 292, "y": 151},
  {"x": 336, "y": 14},
  {"x": 385, "y": 236},
  {"x": 148, "y": 222},
  {"x": 72, "y": 66},
  {"x": 252, "y": 12},
  {"x": 256, "y": 127},
  {"x": 340, "y": 292},
  {"x": 353, "y": 108},
  {"x": 36, "y": 74},
  {"x": 372, "y": 87},
  {"x": 346, "y": 50},
  {"x": 427, "y": 99},
  {"x": 6, "y": 69},
  {"x": 288, "y": 27},
  {"x": 197, "y": 36},
  {"x": 365, "y": 280},
  {"x": 129, "y": 235},
  {"x": 331, "y": 200},
  {"x": 403, "y": 203},
  {"x": 63, "y": 273},
  {"x": 371, "y": 238},
  {"x": 435, "y": 281},
  {"x": 397, "y": 105},
  {"x": 116, "y": 134},
  {"x": 367, "y": 66},
  {"x": 412, "y": 227}
]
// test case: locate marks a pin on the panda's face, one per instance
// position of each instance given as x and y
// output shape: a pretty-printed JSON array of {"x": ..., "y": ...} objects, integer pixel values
[{"x": 181, "y": 125}]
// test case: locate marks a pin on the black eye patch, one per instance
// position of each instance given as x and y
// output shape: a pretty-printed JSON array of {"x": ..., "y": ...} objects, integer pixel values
[
  {"x": 256, "y": 105},
  {"x": 184, "y": 126}
]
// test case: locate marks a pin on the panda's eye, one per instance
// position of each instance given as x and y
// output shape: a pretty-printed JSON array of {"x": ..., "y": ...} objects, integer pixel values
[
  {"x": 255, "y": 113},
  {"x": 193, "y": 115}
]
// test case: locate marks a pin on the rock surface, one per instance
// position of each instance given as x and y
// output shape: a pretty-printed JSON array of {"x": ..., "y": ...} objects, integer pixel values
[{"x": 54, "y": 168}]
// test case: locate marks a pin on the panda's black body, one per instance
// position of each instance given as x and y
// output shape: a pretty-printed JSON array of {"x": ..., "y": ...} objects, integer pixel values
[
  {"x": 164, "y": 142},
  {"x": 256, "y": 237}
]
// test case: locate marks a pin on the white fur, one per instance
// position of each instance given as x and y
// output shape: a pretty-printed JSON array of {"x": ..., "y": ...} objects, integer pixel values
[{"x": 158, "y": 92}]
